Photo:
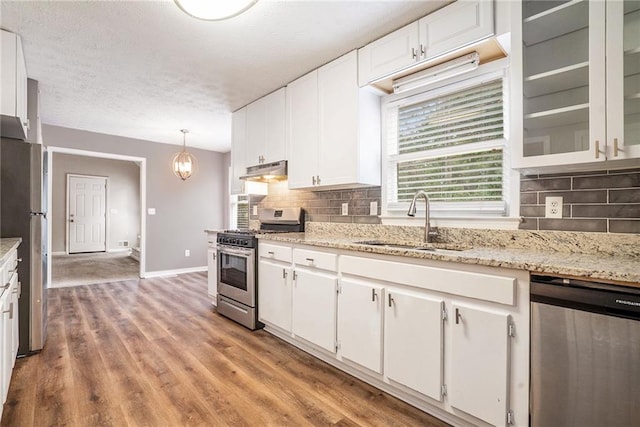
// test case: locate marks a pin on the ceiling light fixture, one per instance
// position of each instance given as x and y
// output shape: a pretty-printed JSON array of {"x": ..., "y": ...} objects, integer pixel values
[
  {"x": 452, "y": 68},
  {"x": 183, "y": 163},
  {"x": 209, "y": 10}
]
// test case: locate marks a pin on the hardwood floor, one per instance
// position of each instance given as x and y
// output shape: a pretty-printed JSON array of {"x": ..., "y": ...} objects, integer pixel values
[{"x": 153, "y": 352}]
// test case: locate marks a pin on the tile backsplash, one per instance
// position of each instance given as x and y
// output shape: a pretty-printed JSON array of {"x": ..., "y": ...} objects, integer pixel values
[
  {"x": 600, "y": 201},
  {"x": 322, "y": 206}
]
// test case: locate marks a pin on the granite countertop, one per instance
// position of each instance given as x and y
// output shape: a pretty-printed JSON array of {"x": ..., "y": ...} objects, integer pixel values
[
  {"x": 618, "y": 269},
  {"x": 7, "y": 245}
]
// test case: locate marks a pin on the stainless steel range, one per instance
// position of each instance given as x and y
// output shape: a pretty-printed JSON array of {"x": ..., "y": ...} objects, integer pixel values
[{"x": 238, "y": 266}]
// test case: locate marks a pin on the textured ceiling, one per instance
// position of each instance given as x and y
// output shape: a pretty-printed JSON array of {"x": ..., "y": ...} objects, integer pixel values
[{"x": 145, "y": 69}]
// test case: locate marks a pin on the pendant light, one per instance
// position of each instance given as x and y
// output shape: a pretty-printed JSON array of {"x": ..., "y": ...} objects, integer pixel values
[
  {"x": 209, "y": 10},
  {"x": 183, "y": 163}
]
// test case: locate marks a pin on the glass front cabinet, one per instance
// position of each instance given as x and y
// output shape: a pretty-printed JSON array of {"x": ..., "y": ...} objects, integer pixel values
[{"x": 577, "y": 66}]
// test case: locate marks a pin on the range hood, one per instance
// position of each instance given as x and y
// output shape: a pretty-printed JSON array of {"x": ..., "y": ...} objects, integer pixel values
[{"x": 267, "y": 172}]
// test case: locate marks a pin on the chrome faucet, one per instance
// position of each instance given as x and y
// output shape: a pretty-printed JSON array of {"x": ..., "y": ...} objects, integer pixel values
[{"x": 412, "y": 212}]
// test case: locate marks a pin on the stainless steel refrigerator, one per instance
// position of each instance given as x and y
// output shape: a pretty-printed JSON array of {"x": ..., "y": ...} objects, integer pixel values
[{"x": 23, "y": 201}]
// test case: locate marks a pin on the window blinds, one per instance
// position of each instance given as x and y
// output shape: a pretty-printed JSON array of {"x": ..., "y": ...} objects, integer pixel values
[
  {"x": 243, "y": 212},
  {"x": 450, "y": 146}
]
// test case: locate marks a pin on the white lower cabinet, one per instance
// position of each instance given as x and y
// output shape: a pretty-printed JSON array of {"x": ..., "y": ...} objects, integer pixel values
[
  {"x": 212, "y": 267},
  {"x": 439, "y": 335},
  {"x": 274, "y": 295},
  {"x": 360, "y": 323},
  {"x": 314, "y": 307},
  {"x": 9, "y": 339},
  {"x": 480, "y": 363},
  {"x": 413, "y": 341}
]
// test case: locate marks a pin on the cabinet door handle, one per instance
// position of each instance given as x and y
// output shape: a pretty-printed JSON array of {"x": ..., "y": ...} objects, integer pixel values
[
  {"x": 284, "y": 273},
  {"x": 391, "y": 300},
  {"x": 213, "y": 256},
  {"x": 318, "y": 179},
  {"x": 10, "y": 311},
  {"x": 309, "y": 259},
  {"x": 615, "y": 147},
  {"x": 458, "y": 316},
  {"x": 313, "y": 180},
  {"x": 414, "y": 53},
  {"x": 373, "y": 295},
  {"x": 19, "y": 260},
  {"x": 423, "y": 51},
  {"x": 597, "y": 149}
]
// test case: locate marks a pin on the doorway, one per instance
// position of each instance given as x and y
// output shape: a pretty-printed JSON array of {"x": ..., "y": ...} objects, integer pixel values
[
  {"x": 120, "y": 217},
  {"x": 86, "y": 213}
]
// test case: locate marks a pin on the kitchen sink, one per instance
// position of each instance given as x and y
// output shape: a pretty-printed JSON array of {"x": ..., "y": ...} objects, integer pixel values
[{"x": 416, "y": 247}]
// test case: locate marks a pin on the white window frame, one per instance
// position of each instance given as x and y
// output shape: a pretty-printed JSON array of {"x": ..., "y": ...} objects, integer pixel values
[{"x": 440, "y": 215}]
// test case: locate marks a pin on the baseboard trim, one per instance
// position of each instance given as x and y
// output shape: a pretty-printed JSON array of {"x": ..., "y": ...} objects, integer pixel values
[
  {"x": 119, "y": 250},
  {"x": 164, "y": 273}
]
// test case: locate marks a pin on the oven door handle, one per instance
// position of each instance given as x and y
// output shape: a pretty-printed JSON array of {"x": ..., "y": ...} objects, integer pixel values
[{"x": 231, "y": 250}]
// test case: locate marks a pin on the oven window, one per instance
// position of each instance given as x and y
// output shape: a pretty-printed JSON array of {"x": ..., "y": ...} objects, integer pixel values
[{"x": 233, "y": 271}]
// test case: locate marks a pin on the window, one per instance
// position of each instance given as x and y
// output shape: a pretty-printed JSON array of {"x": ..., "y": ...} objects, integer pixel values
[
  {"x": 449, "y": 142},
  {"x": 239, "y": 211}
]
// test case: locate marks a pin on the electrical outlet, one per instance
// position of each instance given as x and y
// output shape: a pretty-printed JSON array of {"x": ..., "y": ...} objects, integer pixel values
[
  {"x": 255, "y": 210},
  {"x": 553, "y": 207},
  {"x": 373, "y": 208},
  {"x": 345, "y": 209},
  {"x": 187, "y": 252},
  {"x": 151, "y": 211}
]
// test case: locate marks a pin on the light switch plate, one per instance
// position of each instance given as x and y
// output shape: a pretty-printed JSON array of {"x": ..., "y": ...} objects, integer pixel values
[
  {"x": 255, "y": 210},
  {"x": 553, "y": 207},
  {"x": 187, "y": 252},
  {"x": 345, "y": 209}
]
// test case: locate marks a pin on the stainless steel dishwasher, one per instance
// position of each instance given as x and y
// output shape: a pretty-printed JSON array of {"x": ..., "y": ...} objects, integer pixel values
[{"x": 585, "y": 353}]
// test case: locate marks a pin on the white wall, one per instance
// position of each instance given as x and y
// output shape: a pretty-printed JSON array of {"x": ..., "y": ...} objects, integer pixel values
[
  {"x": 184, "y": 209},
  {"x": 123, "y": 196}
]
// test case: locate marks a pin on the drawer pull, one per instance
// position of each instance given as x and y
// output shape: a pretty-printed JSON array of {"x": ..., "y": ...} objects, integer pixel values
[
  {"x": 373, "y": 295},
  {"x": 271, "y": 253},
  {"x": 309, "y": 259},
  {"x": 391, "y": 300}
]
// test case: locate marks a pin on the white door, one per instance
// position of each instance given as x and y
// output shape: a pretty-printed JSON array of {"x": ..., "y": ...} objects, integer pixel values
[
  {"x": 314, "y": 308},
  {"x": 480, "y": 363},
  {"x": 87, "y": 213},
  {"x": 274, "y": 297},
  {"x": 413, "y": 332},
  {"x": 360, "y": 323}
]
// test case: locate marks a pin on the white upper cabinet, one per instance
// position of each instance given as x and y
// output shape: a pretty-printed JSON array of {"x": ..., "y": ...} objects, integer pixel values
[
  {"x": 454, "y": 26},
  {"x": 13, "y": 104},
  {"x": 448, "y": 29},
  {"x": 623, "y": 79},
  {"x": 580, "y": 81},
  {"x": 393, "y": 52},
  {"x": 333, "y": 128},
  {"x": 266, "y": 129},
  {"x": 302, "y": 130},
  {"x": 238, "y": 150}
]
